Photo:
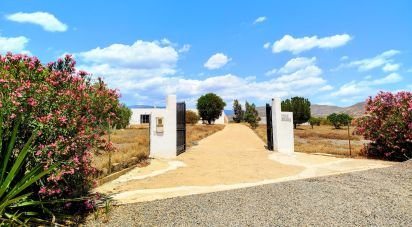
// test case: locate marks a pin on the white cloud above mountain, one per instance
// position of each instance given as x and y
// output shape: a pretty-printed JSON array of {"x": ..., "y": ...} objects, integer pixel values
[
  {"x": 44, "y": 19},
  {"x": 217, "y": 61},
  {"x": 298, "y": 45},
  {"x": 366, "y": 87},
  {"x": 384, "y": 60}
]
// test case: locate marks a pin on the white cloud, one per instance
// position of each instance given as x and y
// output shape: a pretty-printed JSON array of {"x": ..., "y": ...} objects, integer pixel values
[
  {"x": 326, "y": 88},
  {"x": 125, "y": 67},
  {"x": 266, "y": 45},
  {"x": 271, "y": 72},
  {"x": 293, "y": 65},
  {"x": 378, "y": 61},
  {"x": 46, "y": 20},
  {"x": 366, "y": 87},
  {"x": 14, "y": 44},
  {"x": 259, "y": 20},
  {"x": 344, "y": 58},
  {"x": 298, "y": 45},
  {"x": 184, "y": 48},
  {"x": 217, "y": 61},
  {"x": 389, "y": 79},
  {"x": 390, "y": 67},
  {"x": 297, "y": 63},
  {"x": 141, "y": 55}
]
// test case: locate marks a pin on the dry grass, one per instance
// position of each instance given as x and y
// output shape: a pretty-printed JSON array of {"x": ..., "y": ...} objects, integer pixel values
[
  {"x": 197, "y": 132},
  {"x": 321, "y": 139},
  {"x": 133, "y": 143},
  {"x": 129, "y": 143}
]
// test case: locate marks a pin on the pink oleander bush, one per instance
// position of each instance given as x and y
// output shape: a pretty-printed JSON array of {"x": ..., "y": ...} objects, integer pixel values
[
  {"x": 68, "y": 109},
  {"x": 388, "y": 124}
]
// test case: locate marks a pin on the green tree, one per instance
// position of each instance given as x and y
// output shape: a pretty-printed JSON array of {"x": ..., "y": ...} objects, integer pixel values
[
  {"x": 300, "y": 108},
  {"x": 210, "y": 107},
  {"x": 338, "y": 120},
  {"x": 314, "y": 121},
  {"x": 191, "y": 117},
  {"x": 251, "y": 115},
  {"x": 238, "y": 112},
  {"x": 123, "y": 116}
]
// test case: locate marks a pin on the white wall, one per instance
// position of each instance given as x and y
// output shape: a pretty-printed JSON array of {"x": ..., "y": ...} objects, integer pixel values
[
  {"x": 136, "y": 112},
  {"x": 283, "y": 140}
]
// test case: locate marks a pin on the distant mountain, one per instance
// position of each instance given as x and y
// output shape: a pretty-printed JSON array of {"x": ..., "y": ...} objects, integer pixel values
[{"x": 324, "y": 110}]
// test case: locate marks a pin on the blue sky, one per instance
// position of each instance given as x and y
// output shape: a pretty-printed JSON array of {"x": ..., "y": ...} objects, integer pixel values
[{"x": 335, "y": 52}]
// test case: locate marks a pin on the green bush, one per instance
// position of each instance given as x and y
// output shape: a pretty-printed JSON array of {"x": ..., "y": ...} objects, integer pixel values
[
  {"x": 191, "y": 117},
  {"x": 324, "y": 121},
  {"x": 340, "y": 119},
  {"x": 314, "y": 121},
  {"x": 123, "y": 116},
  {"x": 251, "y": 115}
]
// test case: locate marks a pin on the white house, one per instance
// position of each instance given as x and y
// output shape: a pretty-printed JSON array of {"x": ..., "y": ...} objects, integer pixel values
[{"x": 142, "y": 115}]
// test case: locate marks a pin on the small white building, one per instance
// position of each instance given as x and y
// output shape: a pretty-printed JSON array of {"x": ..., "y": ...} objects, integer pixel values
[{"x": 142, "y": 115}]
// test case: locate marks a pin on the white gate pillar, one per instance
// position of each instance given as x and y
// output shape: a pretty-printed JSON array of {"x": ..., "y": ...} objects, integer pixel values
[
  {"x": 282, "y": 122},
  {"x": 163, "y": 130}
]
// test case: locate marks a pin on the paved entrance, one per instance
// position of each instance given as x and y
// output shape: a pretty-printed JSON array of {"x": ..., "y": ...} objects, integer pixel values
[{"x": 232, "y": 158}]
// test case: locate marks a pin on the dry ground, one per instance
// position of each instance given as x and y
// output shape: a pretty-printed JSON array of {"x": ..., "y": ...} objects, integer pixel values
[
  {"x": 321, "y": 139},
  {"x": 134, "y": 142}
]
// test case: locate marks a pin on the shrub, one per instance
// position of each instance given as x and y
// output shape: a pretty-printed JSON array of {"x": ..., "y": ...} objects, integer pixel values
[
  {"x": 251, "y": 115},
  {"x": 324, "y": 121},
  {"x": 123, "y": 116},
  {"x": 300, "y": 108},
  {"x": 69, "y": 111},
  {"x": 314, "y": 121},
  {"x": 210, "y": 107},
  {"x": 388, "y": 124},
  {"x": 340, "y": 119},
  {"x": 191, "y": 117}
]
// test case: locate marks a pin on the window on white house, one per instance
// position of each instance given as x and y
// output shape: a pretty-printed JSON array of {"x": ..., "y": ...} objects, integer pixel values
[{"x": 144, "y": 118}]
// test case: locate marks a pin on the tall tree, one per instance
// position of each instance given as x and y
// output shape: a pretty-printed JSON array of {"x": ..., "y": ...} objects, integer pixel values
[
  {"x": 210, "y": 107},
  {"x": 251, "y": 115},
  {"x": 238, "y": 112},
  {"x": 300, "y": 108}
]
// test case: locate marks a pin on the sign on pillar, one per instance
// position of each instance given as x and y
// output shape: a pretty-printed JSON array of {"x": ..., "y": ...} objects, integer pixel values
[{"x": 282, "y": 122}]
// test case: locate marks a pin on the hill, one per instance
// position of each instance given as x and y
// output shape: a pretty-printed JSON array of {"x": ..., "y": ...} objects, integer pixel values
[{"x": 324, "y": 110}]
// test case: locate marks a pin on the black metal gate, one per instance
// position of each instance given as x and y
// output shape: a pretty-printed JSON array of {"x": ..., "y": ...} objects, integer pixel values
[
  {"x": 269, "y": 127},
  {"x": 180, "y": 127}
]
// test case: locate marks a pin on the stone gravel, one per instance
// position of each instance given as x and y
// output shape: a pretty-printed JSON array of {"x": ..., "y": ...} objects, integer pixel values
[{"x": 378, "y": 197}]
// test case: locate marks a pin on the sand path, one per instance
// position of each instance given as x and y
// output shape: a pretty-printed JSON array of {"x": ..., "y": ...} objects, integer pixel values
[{"x": 232, "y": 158}]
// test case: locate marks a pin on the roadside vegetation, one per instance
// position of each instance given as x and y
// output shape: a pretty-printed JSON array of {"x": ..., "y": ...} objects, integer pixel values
[
  {"x": 250, "y": 115},
  {"x": 322, "y": 139},
  {"x": 51, "y": 121}
]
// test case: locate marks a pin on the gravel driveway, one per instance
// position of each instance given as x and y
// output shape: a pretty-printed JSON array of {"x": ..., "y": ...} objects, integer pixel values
[{"x": 378, "y": 197}]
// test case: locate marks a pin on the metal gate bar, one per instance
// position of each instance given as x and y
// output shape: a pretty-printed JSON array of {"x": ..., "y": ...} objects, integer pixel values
[
  {"x": 180, "y": 127},
  {"x": 269, "y": 127}
]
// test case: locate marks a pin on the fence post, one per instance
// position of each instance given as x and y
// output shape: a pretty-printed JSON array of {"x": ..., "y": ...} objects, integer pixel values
[{"x": 350, "y": 148}]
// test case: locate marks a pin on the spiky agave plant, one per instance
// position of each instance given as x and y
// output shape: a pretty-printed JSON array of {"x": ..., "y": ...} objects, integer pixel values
[{"x": 17, "y": 204}]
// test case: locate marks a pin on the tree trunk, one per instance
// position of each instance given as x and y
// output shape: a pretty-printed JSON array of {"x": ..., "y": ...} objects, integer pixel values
[{"x": 294, "y": 125}]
